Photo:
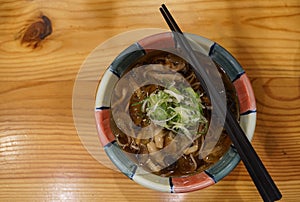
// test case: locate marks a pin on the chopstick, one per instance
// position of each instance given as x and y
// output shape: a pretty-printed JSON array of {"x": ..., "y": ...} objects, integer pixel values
[{"x": 260, "y": 176}]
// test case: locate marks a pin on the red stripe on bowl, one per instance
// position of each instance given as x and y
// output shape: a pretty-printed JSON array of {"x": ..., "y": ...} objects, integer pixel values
[
  {"x": 103, "y": 126},
  {"x": 192, "y": 183},
  {"x": 245, "y": 94},
  {"x": 159, "y": 41}
]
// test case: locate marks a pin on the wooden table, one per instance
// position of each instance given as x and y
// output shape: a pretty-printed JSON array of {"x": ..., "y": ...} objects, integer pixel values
[{"x": 41, "y": 155}]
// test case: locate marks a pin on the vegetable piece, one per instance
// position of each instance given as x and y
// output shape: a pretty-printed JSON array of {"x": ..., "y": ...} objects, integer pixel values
[
  {"x": 151, "y": 147},
  {"x": 153, "y": 166},
  {"x": 159, "y": 139},
  {"x": 191, "y": 149}
]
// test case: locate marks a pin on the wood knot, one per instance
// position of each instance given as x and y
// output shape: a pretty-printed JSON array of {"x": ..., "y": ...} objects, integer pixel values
[{"x": 36, "y": 32}]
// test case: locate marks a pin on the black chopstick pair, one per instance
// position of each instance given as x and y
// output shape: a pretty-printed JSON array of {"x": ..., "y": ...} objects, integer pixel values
[{"x": 260, "y": 176}]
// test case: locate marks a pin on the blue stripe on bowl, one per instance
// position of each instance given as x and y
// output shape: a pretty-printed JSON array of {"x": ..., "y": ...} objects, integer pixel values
[
  {"x": 228, "y": 63},
  {"x": 126, "y": 58},
  {"x": 115, "y": 73},
  {"x": 101, "y": 108},
  {"x": 171, "y": 185},
  {"x": 121, "y": 161},
  {"x": 248, "y": 112},
  {"x": 210, "y": 175},
  {"x": 224, "y": 166}
]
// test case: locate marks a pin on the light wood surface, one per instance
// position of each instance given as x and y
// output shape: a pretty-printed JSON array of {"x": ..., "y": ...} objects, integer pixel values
[{"x": 41, "y": 155}]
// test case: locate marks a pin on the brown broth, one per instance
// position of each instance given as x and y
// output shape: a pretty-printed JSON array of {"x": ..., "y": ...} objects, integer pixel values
[{"x": 185, "y": 165}]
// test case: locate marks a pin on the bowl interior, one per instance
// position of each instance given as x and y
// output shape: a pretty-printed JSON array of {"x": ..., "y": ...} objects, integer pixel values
[{"x": 235, "y": 73}]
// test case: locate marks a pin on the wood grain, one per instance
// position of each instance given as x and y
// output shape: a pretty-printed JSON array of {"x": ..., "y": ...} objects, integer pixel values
[{"x": 41, "y": 155}]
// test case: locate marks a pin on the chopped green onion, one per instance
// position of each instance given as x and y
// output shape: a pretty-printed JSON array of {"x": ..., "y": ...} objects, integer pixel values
[{"x": 179, "y": 110}]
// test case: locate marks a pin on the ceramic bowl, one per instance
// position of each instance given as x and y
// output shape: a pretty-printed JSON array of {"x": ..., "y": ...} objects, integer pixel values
[{"x": 220, "y": 169}]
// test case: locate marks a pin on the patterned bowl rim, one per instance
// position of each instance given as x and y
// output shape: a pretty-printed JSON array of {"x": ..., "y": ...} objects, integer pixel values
[{"x": 219, "y": 170}]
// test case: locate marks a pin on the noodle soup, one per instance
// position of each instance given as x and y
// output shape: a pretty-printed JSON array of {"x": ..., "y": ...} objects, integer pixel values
[{"x": 177, "y": 114}]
